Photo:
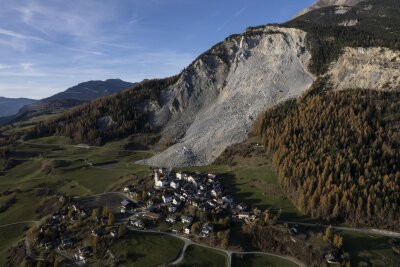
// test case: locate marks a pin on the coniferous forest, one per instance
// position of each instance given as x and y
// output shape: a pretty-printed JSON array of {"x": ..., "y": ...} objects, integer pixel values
[{"x": 337, "y": 155}]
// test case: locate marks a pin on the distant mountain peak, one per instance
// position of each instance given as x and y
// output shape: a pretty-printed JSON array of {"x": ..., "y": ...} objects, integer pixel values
[
  {"x": 325, "y": 3},
  {"x": 78, "y": 94}
]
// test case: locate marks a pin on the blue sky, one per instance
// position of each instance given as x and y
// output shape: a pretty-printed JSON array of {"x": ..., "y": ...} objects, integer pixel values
[{"x": 47, "y": 46}]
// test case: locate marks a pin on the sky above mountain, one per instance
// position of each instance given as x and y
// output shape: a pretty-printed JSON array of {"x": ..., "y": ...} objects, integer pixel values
[{"x": 48, "y": 46}]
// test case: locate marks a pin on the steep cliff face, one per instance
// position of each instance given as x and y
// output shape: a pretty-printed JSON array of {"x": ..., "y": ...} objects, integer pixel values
[
  {"x": 325, "y": 3},
  {"x": 366, "y": 68},
  {"x": 215, "y": 101}
]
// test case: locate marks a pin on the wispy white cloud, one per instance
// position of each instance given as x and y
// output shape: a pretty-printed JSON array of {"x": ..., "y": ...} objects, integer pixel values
[
  {"x": 3, "y": 66},
  {"x": 97, "y": 53},
  {"x": 226, "y": 22},
  {"x": 240, "y": 11},
  {"x": 117, "y": 45},
  {"x": 17, "y": 35},
  {"x": 27, "y": 65}
]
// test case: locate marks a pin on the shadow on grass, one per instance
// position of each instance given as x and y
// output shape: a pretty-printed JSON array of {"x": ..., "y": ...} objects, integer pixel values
[
  {"x": 369, "y": 250},
  {"x": 133, "y": 256}
]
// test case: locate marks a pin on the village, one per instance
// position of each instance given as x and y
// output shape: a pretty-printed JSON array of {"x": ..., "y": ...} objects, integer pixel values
[
  {"x": 189, "y": 206},
  {"x": 193, "y": 205}
]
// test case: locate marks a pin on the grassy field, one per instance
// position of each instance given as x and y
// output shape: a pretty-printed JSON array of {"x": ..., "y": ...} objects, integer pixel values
[
  {"x": 260, "y": 260},
  {"x": 200, "y": 256},
  {"x": 369, "y": 250},
  {"x": 23, "y": 210},
  {"x": 250, "y": 181},
  {"x": 9, "y": 236},
  {"x": 67, "y": 172},
  {"x": 30, "y": 123},
  {"x": 143, "y": 249}
]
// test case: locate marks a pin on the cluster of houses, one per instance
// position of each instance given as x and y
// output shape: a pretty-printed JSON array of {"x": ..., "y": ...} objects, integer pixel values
[
  {"x": 55, "y": 232},
  {"x": 174, "y": 192}
]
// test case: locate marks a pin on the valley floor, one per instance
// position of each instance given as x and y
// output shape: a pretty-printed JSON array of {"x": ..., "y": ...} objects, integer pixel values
[{"x": 52, "y": 165}]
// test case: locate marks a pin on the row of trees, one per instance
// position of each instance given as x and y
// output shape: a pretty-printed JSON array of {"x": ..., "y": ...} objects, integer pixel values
[
  {"x": 278, "y": 240},
  {"x": 82, "y": 123},
  {"x": 337, "y": 155}
]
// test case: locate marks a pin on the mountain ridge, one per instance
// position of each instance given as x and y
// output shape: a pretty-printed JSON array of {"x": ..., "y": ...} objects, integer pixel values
[
  {"x": 78, "y": 94},
  {"x": 10, "y": 106},
  {"x": 325, "y": 3}
]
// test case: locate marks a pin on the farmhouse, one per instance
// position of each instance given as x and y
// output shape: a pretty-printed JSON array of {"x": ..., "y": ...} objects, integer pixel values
[
  {"x": 171, "y": 218},
  {"x": 186, "y": 219}
]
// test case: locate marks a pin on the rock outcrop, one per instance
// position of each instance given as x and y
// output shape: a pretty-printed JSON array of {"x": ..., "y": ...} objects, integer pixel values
[
  {"x": 216, "y": 100},
  {"x": 366, "y": 68}
]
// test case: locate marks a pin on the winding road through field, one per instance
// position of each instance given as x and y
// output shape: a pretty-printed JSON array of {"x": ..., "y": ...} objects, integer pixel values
[
  {"x": 86, "y": 147},
  {"x": 228, "y": 253},
  {"x": 21, "y": 222}
]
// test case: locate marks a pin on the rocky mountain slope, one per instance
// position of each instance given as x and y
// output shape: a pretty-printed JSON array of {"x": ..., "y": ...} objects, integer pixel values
[
  {"x": 264, "y": 78},
  {"x": 213, "y": 103},
  {"x": 10, "y": 106},
  {"x": 377, "y": 68}
]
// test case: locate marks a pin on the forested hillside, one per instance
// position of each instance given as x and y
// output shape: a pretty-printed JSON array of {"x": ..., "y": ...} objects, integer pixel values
[
  {"x": 337, "y": 154},
  {"x": 105, "y": 118}
]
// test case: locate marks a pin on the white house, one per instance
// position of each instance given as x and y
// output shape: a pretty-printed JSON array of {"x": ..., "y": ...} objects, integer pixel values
[
  {"x": 192, "y": 180},
  {"x": 243, "y": 215},
  {"x": 186, "y": 219},
  {"x": 174, "y": 184},
  {"x": 156, "y": 177},
  {"x": 214, "y": 193},
  {"x": 137, "y": 224},
  {"x": 207, "y": 228},
  {"x": 171, "y": 208},
  {"x": 171, "y": 218},
  {"x": 166, "y": 199},
  {"x": 161, "y": 183},
  {"x": 176, "y": 202},
  {"x": 186, "y": 230}
]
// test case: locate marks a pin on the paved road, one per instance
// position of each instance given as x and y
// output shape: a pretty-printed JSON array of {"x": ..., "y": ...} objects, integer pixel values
[
  {"x": 105, "y": 194},
  {"x": 87, "y": 147},
  {"x": 359, "y": 230},
  {"x": 228, "y": 253},
  {"x": 22, "y": 222},
  {"x": 108, "y": 167}
]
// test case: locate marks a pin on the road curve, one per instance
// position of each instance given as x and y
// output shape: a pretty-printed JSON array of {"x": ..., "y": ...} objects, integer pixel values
[{"x": 228, "y": 253}]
